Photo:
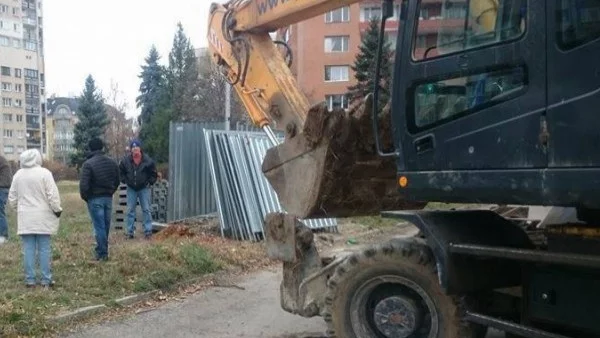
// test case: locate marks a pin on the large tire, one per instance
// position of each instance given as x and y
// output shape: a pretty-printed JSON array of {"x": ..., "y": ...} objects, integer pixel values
[{"x": 409, "y": 270}]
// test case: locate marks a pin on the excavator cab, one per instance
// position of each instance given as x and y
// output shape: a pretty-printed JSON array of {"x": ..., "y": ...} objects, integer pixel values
[{"x": 493, "y": 102}]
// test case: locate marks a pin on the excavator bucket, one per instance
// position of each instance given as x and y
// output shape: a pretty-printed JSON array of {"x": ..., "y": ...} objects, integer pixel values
[{"x": 331, "y": 168}]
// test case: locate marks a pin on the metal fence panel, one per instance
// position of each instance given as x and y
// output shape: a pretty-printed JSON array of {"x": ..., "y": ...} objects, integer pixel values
[
  {"x": 190, "y": 186},
  {"x": 244, "y": 196}
]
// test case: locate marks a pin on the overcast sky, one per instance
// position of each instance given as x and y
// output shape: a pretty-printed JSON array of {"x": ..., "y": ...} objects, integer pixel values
[{"x": 110, "y": 39}]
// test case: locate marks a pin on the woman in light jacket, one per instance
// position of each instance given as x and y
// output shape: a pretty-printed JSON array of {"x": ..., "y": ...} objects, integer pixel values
[{"x": 34, "y": 194}]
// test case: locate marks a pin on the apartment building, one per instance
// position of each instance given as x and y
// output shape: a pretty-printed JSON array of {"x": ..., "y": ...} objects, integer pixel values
[
  {"x": 325, "y": 46},
  {"x": 60, "y": 122},
  {"x": 22, "y": 103}
]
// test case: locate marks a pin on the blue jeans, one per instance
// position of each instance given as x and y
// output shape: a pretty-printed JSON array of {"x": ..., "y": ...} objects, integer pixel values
[
  {"x": 3, "y": 223},
  {"x": 41, "y": 244},
  {"x": 144, "y": 198},
  {"x": 100, "y": 210}
]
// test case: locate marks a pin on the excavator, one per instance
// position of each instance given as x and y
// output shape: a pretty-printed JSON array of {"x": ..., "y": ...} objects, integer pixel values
[{"x": 497, "y": 109}]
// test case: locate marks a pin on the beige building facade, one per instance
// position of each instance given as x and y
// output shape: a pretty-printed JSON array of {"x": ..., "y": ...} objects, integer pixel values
[{"x": 22, "y": 77}]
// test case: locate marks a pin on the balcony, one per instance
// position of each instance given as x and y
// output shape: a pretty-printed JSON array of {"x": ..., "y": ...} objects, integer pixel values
[
  {"x": 29, "y": 21},
  {"x": 28, "y": 5},
  {"x": 33, "y": 125},
  {"x": 32, "y": 102},
  {"x": 31, "y": 95},
  {"x": 31, "y": 80},
  {"x": 33, "y": 142}
]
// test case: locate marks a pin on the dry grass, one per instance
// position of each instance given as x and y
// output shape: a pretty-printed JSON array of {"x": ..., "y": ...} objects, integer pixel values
[{"x": 134, "y": 266}]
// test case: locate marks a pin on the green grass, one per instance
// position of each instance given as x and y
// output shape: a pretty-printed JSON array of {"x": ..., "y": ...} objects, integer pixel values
[{"x": 134, "y": 266}]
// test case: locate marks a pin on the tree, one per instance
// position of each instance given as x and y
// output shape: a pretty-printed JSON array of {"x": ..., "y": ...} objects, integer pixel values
[
  {"x": 151, "y": 87},
  {"x": 120, "y": 129},
  {"x": 182, "y": 78},
  {"x": 92, "y": 121},
  {"x": 364, "y": 66},
  {"x": 155, "y": 135},
  {"x": 212, "y": 92}
]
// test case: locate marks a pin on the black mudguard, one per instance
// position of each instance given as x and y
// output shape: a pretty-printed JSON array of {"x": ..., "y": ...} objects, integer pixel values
[{"x": 460, "y": 274}]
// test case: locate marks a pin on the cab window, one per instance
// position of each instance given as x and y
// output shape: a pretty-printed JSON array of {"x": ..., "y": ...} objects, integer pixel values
[
  {"x": 451, "y": 26},
  {"x": 440, "y": 101},
  {"x": 578, "y": 22}
]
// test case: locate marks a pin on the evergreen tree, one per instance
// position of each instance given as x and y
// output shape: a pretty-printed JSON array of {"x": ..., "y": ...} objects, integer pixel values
[
  {"x": 364, "y": 66},
  {"x": 151, "y": 88},
  {"x": 155, "y": 135},
  {"x": 92, "y": 121},
  {"x": 182, "y": 78}
]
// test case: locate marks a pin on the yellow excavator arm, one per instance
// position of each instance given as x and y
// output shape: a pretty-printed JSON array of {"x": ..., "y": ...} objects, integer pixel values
[{"x": 239, "y": 41}]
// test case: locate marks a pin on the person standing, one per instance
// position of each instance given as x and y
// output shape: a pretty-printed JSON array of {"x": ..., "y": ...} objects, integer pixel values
[
  {"x": 5, "y": 181},
  {"x": 34, "y": 194},
  {"x": 138, "y": 172},
  {"x": 98, "y": 182}
]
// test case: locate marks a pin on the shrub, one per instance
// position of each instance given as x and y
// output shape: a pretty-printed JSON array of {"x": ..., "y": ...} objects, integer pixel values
[{"x": 61, "y": 171}]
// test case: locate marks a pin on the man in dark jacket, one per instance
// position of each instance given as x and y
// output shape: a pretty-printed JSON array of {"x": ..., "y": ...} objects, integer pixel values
[
  {"x": 138, "y": 172},
  {"x": 99, "y": 181},
  {"x": 6, "y": 175}
]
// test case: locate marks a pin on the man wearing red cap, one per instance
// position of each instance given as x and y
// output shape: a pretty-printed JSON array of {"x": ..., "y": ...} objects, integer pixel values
[{"x": 138, "y": 172}]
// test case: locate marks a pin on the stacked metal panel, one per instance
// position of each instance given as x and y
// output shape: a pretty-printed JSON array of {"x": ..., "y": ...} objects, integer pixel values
[
  {"x": 190, "y": 185},
  {"x": 243, "y": 195}
]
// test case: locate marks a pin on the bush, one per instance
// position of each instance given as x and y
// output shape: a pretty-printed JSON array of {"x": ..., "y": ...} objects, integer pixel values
[{"x": 61, "y": 172}]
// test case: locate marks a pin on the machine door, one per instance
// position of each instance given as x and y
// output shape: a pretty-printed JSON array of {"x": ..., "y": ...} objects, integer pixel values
[
  {"x": 470, "y": 86},
  {"x": 574, "y": 83}
]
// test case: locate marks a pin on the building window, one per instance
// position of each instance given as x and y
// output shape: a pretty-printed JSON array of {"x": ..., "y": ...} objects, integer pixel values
[
  {"x": 16, "y": 43},
  {"x": 370, "y": 12},
  {"x": 20, "y": 119},
  {"x": 18, "y": 87},
  {"x": 337, "y": 73},
  {"x": 4, "y": 41},
  {"x": 31, "y": 73},
  {"x": 8, "y": 133},
  {"x": 6, "y": 101},
  {"x": 6, "y": 86},
  {"x": 5, "y": 71},
  {"x": 31, "y": 88},
  {"x": 3, "y": 8},
  {"x": 7, "y": 117},
  {"x": 391, "y": 38},
  {"x": 18, "y": 72},
  {"x": 18, "y": 103},
  {"x": 16, "y": 27},
  {"x": 578, "y": 22},
  {"x": 336, "y": 43},
  {"x": 453, "y": 10},
  {"x": 8, "y": 149},
  {"x": 338, "y": 15},
  {"x": 30, "y": 45},
  {"x": 15, "y": 11},
  {"x": 336, "y": 102}
]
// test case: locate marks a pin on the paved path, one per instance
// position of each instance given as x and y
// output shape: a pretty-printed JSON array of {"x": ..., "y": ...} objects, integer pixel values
[{"x": 219, "y": 313}]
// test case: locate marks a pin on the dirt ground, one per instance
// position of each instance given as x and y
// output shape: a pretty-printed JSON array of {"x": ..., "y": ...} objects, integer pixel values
[{"x": 245, "y": 305}]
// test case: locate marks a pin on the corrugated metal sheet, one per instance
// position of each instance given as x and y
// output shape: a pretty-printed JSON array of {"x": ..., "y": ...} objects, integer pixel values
[
  {"x": 190, "y": 186},
  {"x": 244, "y": 196}
]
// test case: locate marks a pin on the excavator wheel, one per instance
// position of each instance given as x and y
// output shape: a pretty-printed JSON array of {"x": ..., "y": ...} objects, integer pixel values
[{"x": 392, "y": 290}]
